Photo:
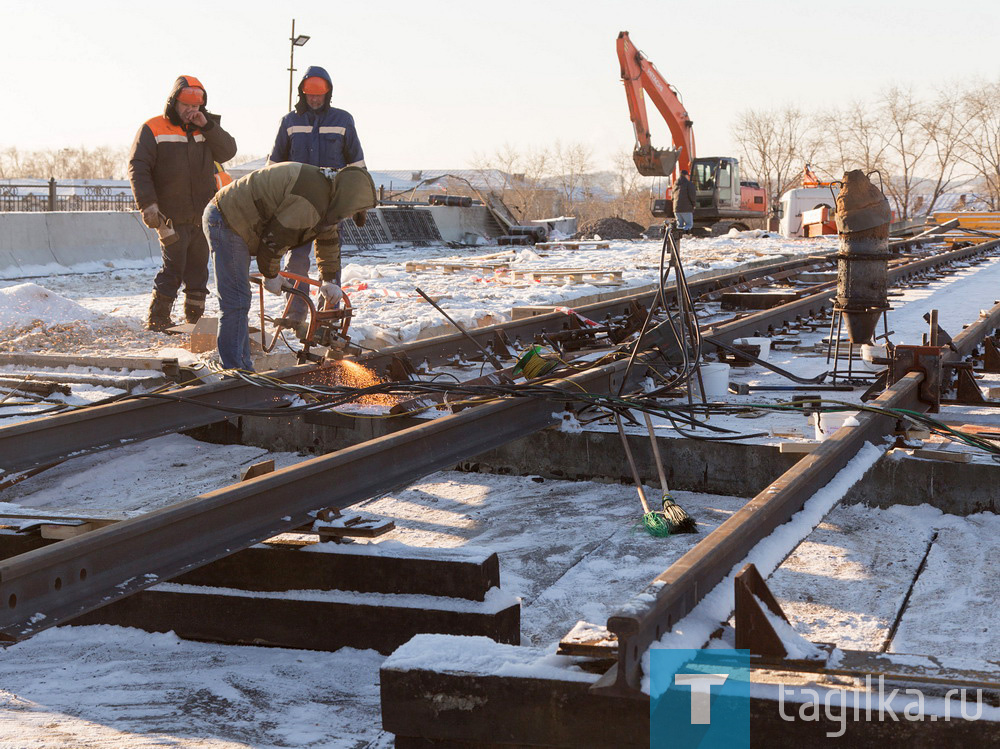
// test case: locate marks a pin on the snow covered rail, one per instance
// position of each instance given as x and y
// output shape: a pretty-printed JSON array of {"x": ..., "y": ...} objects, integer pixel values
[
  {"x": 675, "y": 592},
  {"x": 46, "y": 587},
  {"x": 44, "y": 441}
]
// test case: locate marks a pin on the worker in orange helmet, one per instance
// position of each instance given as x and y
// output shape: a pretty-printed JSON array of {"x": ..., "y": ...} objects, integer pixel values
[
  {"x": 318, "y": 134},
  {"x": 172, "y": 170}
]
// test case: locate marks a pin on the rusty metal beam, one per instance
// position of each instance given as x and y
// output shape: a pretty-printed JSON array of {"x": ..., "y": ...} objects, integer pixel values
[
  {"x": 46, "y": 587},
  {"x": 674, "y": 593},
  {"x": 48, "y": 440},
  {"x": 678, "y": 590}
]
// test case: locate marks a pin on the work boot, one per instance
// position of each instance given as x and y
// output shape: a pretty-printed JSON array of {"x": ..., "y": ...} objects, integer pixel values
[
  {"x": 194, "y": 306},
  {"x": 159, "y": 313}
]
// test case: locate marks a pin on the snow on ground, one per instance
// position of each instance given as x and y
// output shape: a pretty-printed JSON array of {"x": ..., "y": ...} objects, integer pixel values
[
  {"x": 846, "y": 583},
  {"x": 112, "y": 687},
  {"x": 570, "y": 550},
  {"x": 139, "y": 478}
]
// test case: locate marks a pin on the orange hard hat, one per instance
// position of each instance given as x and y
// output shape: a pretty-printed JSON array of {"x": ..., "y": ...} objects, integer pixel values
[
  {"x": 315, "y": 86},
  {"x": 191, "y": 95}
]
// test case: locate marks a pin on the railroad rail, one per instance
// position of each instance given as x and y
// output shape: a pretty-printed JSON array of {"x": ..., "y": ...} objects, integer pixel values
[
  {"x": 44, "y": 441},
  {"x": 84, "y": 573}
]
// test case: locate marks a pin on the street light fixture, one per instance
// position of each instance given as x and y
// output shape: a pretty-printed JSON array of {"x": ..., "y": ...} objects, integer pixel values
[{"x": 297, "y": 41}]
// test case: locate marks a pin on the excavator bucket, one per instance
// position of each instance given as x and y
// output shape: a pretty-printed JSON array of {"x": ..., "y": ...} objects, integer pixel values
[{"x": 655, "y": 162}]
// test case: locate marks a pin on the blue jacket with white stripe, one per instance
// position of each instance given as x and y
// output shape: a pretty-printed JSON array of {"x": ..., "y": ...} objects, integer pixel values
[{"x": 321, "y": 137}]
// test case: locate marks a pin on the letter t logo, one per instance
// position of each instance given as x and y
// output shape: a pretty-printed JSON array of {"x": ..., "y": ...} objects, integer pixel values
[{"x": 701, "y": 697}]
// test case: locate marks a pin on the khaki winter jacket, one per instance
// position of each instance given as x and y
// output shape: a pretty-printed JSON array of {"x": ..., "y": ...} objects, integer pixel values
[
  {"x": 287, "y": 205},
  {"x": 173, "y": 164}
]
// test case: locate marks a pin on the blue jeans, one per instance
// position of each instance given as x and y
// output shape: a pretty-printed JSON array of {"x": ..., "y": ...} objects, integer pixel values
[
  {"x": 232, "y": 281},
  {"x": 297, "y": 261},
  {"x": 685, "y": 221}
]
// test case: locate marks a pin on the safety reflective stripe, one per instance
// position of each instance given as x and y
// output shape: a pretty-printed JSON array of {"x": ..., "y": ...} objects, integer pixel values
[
  {"x": 174, "y": 138},
  {"x": 299, "y": 129},
  {"x": 337, "y": 130},
  {"x": 357, "y": 163}
]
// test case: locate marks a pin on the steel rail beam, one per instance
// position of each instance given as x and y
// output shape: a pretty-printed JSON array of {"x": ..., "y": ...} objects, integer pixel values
[
  {"x": 758, "y": 322},
  {"x": 441, "y": 349},
  {"x": 54, "y": 438},
  {"x": 45, "y": 587},
  {"x": 50, "y": 439},
  {"x": 676, "y": 591},
  {"x": 47, "y": 440}
]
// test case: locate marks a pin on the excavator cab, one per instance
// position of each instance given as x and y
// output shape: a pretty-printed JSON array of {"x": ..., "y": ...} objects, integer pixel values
[{"x": 716, "y": 182}]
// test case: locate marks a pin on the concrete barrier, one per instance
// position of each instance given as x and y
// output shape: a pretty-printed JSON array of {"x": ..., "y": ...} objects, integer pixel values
[
  {"x": 53, "y": 243},
  {"x": 41, "y": 244}
]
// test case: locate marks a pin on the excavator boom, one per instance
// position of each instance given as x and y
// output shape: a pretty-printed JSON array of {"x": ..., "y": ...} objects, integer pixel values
[{"x": 638, "y": 75}]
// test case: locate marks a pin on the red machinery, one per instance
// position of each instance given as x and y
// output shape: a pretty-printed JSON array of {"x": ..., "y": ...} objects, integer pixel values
[{"x": 723, "y": 200}]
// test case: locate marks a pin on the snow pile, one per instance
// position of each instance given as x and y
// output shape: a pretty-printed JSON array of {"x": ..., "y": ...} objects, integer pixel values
[{"x": 25, "y": 304}]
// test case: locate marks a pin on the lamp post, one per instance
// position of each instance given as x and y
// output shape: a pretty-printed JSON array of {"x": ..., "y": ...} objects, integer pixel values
[{"x": 297, "y": 41}]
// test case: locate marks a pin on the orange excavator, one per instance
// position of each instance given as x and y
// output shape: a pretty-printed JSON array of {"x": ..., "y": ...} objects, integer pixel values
[{"x": 723, "y": 201}]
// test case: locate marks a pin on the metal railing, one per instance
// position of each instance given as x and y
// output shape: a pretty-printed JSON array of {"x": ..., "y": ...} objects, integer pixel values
[{"x": 51, "y": 196}]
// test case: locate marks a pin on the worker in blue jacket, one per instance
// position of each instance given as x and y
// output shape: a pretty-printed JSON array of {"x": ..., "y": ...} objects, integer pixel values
[{"x": 318, "y": 134}]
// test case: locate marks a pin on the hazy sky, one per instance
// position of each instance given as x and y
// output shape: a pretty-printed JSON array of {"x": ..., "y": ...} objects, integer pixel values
[{"x": 432, "y": 84}]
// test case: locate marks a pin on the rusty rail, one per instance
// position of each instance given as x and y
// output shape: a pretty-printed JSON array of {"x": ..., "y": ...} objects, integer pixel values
[
  {"x": 46, "y": 587},
  {"x": 675, "y": 592}
]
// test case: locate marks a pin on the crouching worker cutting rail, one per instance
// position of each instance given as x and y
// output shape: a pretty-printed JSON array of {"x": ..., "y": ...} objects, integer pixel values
[{"x": 266, "y": 214}]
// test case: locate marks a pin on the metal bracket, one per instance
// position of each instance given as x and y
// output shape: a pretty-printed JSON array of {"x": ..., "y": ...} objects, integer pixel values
[
  {"x": 991, "y": 356},
  {"x": 928, "y": 360},
  {"x": 401, "y": 368},
  {"x": 754, "y": 631},
  {"x": 967, "y": 390}
]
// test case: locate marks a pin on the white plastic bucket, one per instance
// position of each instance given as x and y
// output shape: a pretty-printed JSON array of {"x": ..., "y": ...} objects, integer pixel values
[
  {"x": 764, "y": 343},
  {"x": 869, "y": 352},
  {"x": 715, "y": 379},
  {"x": 830, "y": 422}
]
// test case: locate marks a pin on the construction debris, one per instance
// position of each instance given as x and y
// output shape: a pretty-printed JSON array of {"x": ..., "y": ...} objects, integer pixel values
[{"x": 610, "y": 228}]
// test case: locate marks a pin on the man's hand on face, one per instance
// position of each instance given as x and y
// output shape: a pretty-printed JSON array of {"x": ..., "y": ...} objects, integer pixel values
[{"x": 197, "y": 118}]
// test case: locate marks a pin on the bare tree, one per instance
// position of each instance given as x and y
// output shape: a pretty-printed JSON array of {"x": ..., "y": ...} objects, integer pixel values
[
  {"x": 516, "y": 176},
  {"x": 981, "y": 137},
  {"x": 102, "y": 162},
  {"x": 945, "y": 128},
  {"x": 572, "y": 164},
  {"x": 774, "y": 144},
  {"x": 906, "y": 144},
  {"x": 630, "y": 189}
]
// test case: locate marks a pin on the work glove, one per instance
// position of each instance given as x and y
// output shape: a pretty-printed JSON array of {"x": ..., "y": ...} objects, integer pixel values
[
  {"x": 359, "y": 218},
  {"x": 151, "y": 215},
  {"x": 274, "y": 284},
  {"x": 330, "y": 292}
]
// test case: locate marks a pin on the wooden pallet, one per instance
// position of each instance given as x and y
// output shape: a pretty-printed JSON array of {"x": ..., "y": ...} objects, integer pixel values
[
  {"x": 569, "y": 275},
  {"x": 582, "y": 244},
  {"x": 455, "y": 266},
  {"x": 984, "y": 220}
]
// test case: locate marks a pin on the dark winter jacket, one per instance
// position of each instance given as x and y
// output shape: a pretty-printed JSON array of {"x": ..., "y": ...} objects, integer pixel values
[
  {"x": 322, "y": 137},
  {"x": 684, "y": 195},
  {"x": 287, "y": 205},
  {"x": 173, "y": 164}
]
